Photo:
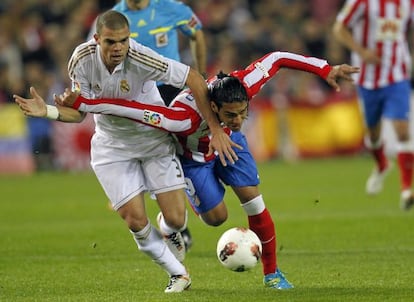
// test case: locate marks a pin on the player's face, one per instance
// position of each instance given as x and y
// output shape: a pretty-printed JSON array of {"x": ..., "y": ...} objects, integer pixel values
[
  {"x": 114, "y": 46},
  {"x": 232, "y": 114},
  {"x": 137, "y": 4}
]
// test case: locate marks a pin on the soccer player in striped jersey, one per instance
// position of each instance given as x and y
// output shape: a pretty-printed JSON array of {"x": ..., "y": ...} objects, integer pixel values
[
  {"x": 376, "y": 33},
  {"x": 129, "y": 158},
  {"x": 229, "y": 98}
]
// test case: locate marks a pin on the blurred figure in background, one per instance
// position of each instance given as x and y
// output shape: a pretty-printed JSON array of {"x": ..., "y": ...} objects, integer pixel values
[
  {"x": 32, "y": 48},
  {"x": 375, "y": 31},
  {"x": 40, "y": 129},
  {"x": 157, "y": 25}
]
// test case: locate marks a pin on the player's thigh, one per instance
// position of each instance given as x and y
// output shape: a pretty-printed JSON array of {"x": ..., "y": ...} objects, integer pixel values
[
  {"x": 207, "y": 186},
  {"x": 133, "y": 212},
  {"x": 163, "y": 173},
  {"x": 244, "y": 171},
  {"x": 397, "y": 101},
  {"x": 173, "y": 207},
  {"x": 165, "y": 179},
  {"x": 372, "y": 105},
  {"x": 121, "y": 180},
  {"x": 215, "y": 216}
]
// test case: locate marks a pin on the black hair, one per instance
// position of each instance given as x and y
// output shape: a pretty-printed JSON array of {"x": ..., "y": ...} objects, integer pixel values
[
  {"x": 226, "y": 89},
  {"x": 112, "y": 20}
]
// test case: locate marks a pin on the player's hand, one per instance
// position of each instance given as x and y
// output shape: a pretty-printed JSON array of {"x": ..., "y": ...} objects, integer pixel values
[
  {"x": 35, "y": 106},
  {"x": 341, "y": 72},
  {"x": 66, "y": 99},
  {"x": 221, "y": 143}
]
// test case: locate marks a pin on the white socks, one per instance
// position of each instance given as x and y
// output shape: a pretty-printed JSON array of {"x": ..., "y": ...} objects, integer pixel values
[
  {"x": 254, "y": 206},
  {"x": 166, "y": 229},
  {"x": 150, "y": 241}
]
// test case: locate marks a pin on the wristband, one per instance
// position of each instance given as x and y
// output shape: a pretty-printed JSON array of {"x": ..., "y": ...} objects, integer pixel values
[{"x": 52, "y": 112}]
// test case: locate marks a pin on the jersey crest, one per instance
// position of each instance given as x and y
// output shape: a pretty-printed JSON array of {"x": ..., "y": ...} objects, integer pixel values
[
  {"x": 161, "y": 39},
  {"x": 97, "y": 88},
  {"x": 389, "y": 29},
  {"x": 124, "y": 86},
  {"x": 75, "y": 86}
]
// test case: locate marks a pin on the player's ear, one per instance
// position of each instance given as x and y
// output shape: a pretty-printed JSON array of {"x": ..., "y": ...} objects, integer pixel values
[
  {"x": 96, "y": 37},
  {"x": 214, "y": 107}
]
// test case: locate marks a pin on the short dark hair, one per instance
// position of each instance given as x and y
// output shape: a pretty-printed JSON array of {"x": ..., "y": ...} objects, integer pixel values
[
  {"x": 226, "y": 89},
  {"x": 112, "y": 20}
]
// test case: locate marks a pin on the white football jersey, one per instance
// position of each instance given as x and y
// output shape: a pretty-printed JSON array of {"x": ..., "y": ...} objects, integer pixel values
[{"x": 134, "y": 79}]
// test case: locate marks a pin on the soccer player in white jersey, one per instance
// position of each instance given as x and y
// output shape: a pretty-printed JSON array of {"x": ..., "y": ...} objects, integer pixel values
[
  {"x": 230, "y": 96},
  {"x": 159, "y": 25},
  {"x": 130, "y": 158},
  {"x": 375, "y": 32}
]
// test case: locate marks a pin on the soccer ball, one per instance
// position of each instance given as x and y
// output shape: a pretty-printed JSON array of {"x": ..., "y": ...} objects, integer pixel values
[{"x": 239, "y": 249}]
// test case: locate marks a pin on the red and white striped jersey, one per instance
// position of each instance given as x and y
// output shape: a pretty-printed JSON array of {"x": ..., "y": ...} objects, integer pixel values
[
  {"x": 381, "y": 25},
  {"x": 183, "y": 117}
]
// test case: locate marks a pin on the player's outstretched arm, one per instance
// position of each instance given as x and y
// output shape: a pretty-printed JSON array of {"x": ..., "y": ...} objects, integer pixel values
[
  {"x": 259, "y": 72},
  {"x": 340, "y": 72},
  {"x": 178, "y": 120},
  {"x": 37, "y": 107}
]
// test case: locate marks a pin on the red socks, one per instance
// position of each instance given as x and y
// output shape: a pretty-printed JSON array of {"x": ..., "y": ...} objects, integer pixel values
[
  {"x": 405, "y": 163},
  {"x": 380, "y": 157},
  {"x": 262, "y": 224}
]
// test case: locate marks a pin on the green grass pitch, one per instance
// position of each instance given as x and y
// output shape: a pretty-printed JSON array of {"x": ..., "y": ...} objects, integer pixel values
[{"x": 60, "y": 242}]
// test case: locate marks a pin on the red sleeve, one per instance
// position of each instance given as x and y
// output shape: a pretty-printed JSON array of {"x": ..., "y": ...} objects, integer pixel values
[
  {"x": 262, "y": 70},
  {"x": 181, "y": 120}
]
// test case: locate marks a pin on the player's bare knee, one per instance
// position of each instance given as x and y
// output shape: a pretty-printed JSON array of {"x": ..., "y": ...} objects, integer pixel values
[
  {"x": 134, "y": 224},
  {"x": 214, "y": 223},
  {"x": 214, "y": 220},
  {"x": 178, "y": 225},
  {"x": 175, "y": 220}
]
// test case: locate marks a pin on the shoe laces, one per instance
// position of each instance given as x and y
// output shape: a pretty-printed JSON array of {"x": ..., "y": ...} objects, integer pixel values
[
  {"x": 176, "y": 241},
  {"x": 276, "y": 277},
  {"x": 174, "y": 279},
  {"x": 274, "y": 281}
]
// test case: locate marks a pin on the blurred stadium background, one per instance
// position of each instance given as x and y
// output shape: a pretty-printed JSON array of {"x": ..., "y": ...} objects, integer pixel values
[{"x": 295, "y": 117}]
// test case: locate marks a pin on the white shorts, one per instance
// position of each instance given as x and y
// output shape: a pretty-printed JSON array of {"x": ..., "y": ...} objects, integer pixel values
[{"x": 123, "y": 176}]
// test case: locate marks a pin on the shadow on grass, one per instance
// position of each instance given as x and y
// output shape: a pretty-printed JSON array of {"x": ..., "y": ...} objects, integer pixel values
[{"x": 303, "y": 294}]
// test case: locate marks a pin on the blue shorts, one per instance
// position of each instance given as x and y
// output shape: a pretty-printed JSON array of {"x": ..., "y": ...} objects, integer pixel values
[
  {"x": 208, "y": 178},
  {"x": 392, "y": 102}
]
